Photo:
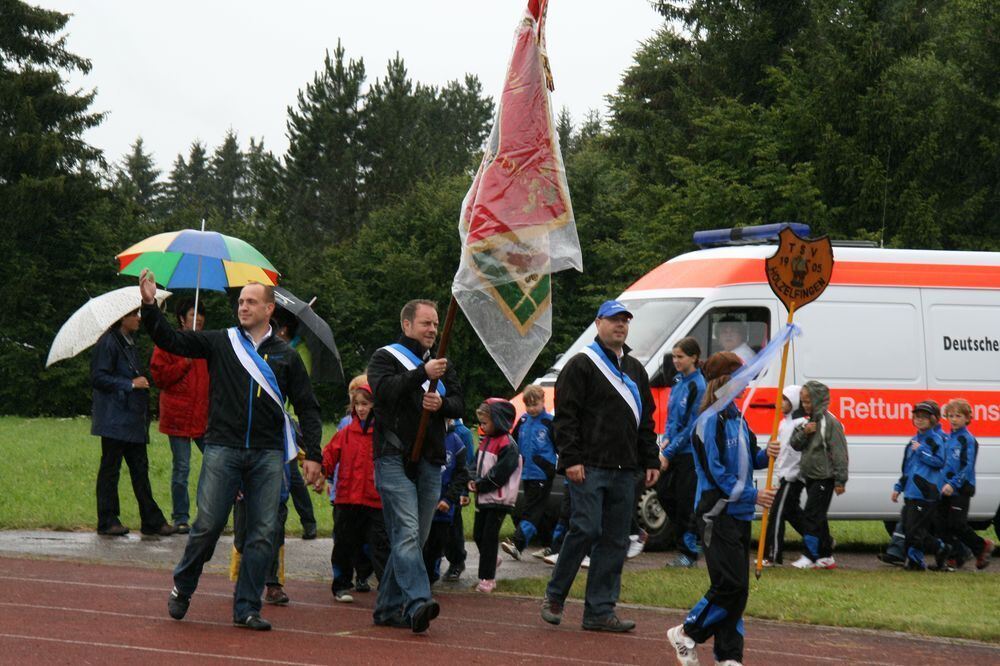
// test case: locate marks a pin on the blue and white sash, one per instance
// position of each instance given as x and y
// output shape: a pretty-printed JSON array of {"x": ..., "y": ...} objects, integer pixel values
[
  {"x": 411, "y": 361},
  {"x": 261, "y": 373},
  {"x": 621, "y": 382}
]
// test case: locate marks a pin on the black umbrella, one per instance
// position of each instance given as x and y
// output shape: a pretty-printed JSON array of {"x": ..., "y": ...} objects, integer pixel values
[{"x": 317, "y": 335}]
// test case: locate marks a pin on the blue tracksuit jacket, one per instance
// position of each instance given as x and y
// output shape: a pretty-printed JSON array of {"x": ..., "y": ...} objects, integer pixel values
[
  {"x": 960, "y": 464},
  {"x": 682, "y": 412},
  {"x": 719, "y": 459},
  {"x": 534, "y": 438},
  {"x": 923, "y": 468}
]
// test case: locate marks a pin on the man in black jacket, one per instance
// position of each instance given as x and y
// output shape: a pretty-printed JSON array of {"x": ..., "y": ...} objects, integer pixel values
[
  {"x": 400, "y": 376},
  {"x": 604, "y": 434},
  {"x": 252, "y": 372}
]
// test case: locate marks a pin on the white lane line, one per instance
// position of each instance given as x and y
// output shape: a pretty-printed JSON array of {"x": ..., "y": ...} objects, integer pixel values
[
  {"x": 141, "y": 648},
  {"x": 324, "y": 634},
  {"x": 634, "y": 637}
]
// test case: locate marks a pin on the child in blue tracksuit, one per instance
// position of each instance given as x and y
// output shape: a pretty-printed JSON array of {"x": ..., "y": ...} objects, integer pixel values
[
  {"x": 454, "y": 478},
  {"x": 676, "y": 455},
  {"x": 726, "y": 454},
  {"x": 533, "y": 434},
  {"x": 923, "y": 464},
  {"x": 959, "y": 486}
]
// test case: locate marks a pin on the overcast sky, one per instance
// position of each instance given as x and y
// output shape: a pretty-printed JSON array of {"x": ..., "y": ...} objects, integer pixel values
[{"x": 177, "y": 71}]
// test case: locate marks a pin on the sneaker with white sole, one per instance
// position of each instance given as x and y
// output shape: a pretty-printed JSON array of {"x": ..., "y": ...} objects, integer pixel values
[
  {"x": 343, "y": 596},
  {"x": 684, "y": 647},
  {"x": 826, "y": 563},
  {"x": 586, "y": 562},
  {"x": 486, "y": 586},
  {"x": 804, "y": 563},
  {"x": 551, "y": 558},
  {"x": 636, "y": 543},
  {"x": 728, "y": 662},
  {"x": 543, "y": 553},
  {"x": 511, "y": 549},
  {"x": 682, "y": 561}
]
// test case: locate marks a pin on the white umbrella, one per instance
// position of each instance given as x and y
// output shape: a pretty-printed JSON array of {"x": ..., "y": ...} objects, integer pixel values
[{"x": 87, "y": 324}]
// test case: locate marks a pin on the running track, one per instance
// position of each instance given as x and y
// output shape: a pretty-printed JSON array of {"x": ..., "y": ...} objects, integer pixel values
[{"x": 64, "y": 612}]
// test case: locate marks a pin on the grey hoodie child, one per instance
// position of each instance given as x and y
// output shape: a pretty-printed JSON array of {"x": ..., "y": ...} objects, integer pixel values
[{"x": 824, "y": 453}]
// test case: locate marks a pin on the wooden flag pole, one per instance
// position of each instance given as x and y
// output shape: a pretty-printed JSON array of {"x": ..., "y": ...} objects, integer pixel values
[
  {"x": 449, "y": 321},
  {"x": 774, "y": 438}
]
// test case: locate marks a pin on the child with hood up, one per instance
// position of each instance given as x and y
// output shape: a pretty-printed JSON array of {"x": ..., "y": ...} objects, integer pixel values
[
  {"x": 497, "y": 477},
  {"x": 823, "y": 467},
  {"x": 787, "y": 501}
]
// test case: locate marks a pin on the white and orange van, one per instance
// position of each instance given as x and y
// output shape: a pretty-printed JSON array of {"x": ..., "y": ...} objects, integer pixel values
[{"x": 893, "y": 328}]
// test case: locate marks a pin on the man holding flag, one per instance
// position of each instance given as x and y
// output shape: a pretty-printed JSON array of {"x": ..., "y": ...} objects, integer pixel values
[
  {"x": 248, "y": 441},
  {"x": 400, "y": 375}
]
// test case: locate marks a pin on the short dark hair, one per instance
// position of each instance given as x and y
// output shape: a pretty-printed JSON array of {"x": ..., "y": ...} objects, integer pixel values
[
  {"x": 268, "y": 290},
  {"x": 409, "y": 310},
  {"x": 185, "y": 306}
]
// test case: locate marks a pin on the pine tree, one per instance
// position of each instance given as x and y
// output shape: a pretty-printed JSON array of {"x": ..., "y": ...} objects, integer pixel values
[
  {"x": 322, "y": 179},
  {"x": 228, "y": 169},
  {"x": 138, "y": 180}
]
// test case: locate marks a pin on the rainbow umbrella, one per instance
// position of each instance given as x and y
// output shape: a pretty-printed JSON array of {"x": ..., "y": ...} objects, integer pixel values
[{"x": 195, "y": 259}]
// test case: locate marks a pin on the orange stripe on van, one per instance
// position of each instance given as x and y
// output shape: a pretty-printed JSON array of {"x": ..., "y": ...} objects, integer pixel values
[{"x": 709, "y": 273}]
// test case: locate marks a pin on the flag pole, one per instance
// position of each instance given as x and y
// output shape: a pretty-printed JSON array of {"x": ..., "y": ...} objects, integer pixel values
[
  {"x": 449, "y": 321},
  {"x": 774, "y": 438}
]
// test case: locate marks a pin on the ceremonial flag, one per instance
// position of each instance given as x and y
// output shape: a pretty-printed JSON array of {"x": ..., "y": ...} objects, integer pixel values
[{"x": 516, "y": 223}]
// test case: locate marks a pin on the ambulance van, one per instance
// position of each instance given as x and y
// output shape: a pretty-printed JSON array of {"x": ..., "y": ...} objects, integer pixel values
[{"x": 893, "y": 328}]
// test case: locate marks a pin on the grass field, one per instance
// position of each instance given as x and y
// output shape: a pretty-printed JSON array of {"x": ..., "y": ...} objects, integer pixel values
[
  {"x": 960, "y": 605},
  {"x": 49, "y": 468}
]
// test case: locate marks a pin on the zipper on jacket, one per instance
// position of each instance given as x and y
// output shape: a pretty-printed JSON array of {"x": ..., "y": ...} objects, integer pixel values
[{"x": 249, "y": 414}]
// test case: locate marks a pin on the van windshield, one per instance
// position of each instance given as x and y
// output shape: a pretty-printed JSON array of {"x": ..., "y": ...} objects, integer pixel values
[{"x": 655, "y": 320}]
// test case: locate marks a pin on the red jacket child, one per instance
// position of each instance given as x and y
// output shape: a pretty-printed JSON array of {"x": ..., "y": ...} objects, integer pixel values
[
  {"x": 352, "y": 448},
  {"x": 183, "y": 384}
]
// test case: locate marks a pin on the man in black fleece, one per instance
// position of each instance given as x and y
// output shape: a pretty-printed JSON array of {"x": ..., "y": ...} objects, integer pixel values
[
  {"x": 604, "y": 435},
  {"x": 245, "y": 444}
]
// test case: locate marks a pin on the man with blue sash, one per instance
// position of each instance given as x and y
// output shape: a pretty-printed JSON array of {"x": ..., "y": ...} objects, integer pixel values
[
  {"x": 249, "y": 439},
  {"x": 400, "y": 376},
  {"x": 604, "y": 434}
]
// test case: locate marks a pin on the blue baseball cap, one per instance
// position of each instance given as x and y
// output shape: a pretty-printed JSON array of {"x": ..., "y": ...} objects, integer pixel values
[{"x": 612, "y": 308}]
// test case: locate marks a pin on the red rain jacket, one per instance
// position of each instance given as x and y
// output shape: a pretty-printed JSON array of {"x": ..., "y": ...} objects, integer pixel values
[
  {"x": 183, "y": 384},
  {"x": 351, "y": 447}
]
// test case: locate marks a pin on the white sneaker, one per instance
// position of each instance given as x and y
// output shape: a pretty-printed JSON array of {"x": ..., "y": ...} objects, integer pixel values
[
  {"x": 551, "y": 558},
  {"x": 543, "y": 553},
  {"x": 684, "y": 647},
  {"x": 826, "y": 563},
  {"x": 804, "y": 563},
  {"x": 728, "y": 662},
  {"x": 586, "y": 562},
  {"x": 635, "y": 545}
]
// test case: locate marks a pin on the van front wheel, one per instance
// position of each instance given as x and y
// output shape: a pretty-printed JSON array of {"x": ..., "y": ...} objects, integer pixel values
[{"x": 653, "y": 518}]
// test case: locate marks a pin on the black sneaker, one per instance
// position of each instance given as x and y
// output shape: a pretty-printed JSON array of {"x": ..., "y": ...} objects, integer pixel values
[
  {"x": 552, "y": 611},
  {"x": 177, "y": 604},
  {"x": 362, "y": 585},
  {"x": 421, "y": 619},
  {"x": 453, "y": 573},
  {"x": 396, "y": 621},
  {"x": 611, "y": 623},
  {"x": 115, "y": 530},
  {"x": 308, "y": 532},
  {"x": 254, "y": 622},
  {"x": 889, "y": 558}
]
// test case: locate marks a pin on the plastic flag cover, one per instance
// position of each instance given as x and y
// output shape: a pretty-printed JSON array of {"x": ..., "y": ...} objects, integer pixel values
[{"x": 516, "y": 222}]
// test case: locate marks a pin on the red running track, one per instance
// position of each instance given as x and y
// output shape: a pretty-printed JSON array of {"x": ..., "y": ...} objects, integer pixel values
[{"x": 65, "y": 612}]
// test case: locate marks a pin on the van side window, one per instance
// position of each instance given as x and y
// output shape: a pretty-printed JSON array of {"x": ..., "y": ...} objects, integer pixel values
[{"x": 743, "y": 330}]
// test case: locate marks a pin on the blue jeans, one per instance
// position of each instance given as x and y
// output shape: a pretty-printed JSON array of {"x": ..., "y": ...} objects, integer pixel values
[
  {"x": 598, "y": 526},
  {"x": 224, "y": 470},
  {"x": 408, "y": 508},
  {"x": 181, "y": 449}
]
